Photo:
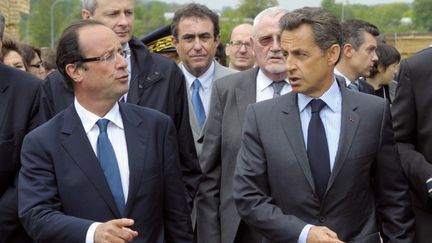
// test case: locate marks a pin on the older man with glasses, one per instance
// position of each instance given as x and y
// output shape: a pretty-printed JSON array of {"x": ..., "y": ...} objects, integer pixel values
[{"x": 239, "y": 49}]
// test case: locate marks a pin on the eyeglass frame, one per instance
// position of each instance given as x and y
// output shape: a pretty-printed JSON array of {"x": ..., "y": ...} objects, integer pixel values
[
  {"x": 107, "y": 57},
  {"x": 38, "y": 65},
  {"x": 238, "y": 44}
]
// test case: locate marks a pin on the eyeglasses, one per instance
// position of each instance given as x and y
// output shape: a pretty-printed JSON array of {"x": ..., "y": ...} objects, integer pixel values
[
  {"x": 37, "y": 65},
  {"x": 239, "y": 44},
  {"x": 108, "y": 57}
]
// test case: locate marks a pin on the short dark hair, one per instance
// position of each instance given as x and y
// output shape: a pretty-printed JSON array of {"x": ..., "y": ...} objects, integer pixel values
[
  {"x": 69, "y": 50},
  {"x": 195, "y": 10},
  {"x": 28, "y": 52},
  {"x": 353, "y": 29},
  {"x": 325, "y": 26},
  {"x": 387, "y": 55},
  {"x": 10, "y": 45}
]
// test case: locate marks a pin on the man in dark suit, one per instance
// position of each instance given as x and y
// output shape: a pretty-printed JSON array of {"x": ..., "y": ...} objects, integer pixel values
[
  {"x": 83, "y": 181},
  {"x": 412, "y": 121},
  {"x": 320, "y": 164},
  {"x": 358, "y": 54},
  {"x": 218, "y": 220},
  {"x": 19, "y": 104},
  {"x": 154, "y": 82}
]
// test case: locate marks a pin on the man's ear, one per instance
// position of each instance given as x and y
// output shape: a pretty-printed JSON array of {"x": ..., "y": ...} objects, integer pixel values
[
  {"x": 74, "y": 72},
  {"x": 333, "y": 53},
  {"x": 85, "y": 14},
  {"x": 347, "y": 50}
]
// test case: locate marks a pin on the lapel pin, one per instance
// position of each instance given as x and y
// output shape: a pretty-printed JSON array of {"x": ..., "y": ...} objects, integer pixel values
[{"x": 350, "y": 119}]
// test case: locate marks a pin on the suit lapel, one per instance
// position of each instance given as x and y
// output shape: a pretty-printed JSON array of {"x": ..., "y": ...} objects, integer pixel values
[
  {"x": 136, "y": 141},
  {"x": 349, "y": 123},
  {"x": 290, "y": 122},
  {"x": 76, "y": 143},
  {"x": 246, "y": 93}
]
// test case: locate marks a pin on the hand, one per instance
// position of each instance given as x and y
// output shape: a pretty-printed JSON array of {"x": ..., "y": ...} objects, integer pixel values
[
  {"x": 321, "y": 234},
  {"x": 115, "y": 231}
]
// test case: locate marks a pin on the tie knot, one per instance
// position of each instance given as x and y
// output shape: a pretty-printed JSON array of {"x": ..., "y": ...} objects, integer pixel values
[
  {"x": 102, "y": 124},
  {"x": 316, "y": 105},
  {"x": 277, "y": 86},
  {"x": 196, "y": 84}
]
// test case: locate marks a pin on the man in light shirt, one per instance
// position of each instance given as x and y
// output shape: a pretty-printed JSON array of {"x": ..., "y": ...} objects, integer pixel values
[
  {"x": 218, "y": 220},
  {"x": 195, "y": 30},
  {"x": 82, "y": 181},
  {"x": 320, "y": 164}
]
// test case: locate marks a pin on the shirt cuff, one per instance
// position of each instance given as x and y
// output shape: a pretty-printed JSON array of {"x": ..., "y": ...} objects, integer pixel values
[
  {"x": 91, "y": 232},
  {"x": 304, "y": 233}
]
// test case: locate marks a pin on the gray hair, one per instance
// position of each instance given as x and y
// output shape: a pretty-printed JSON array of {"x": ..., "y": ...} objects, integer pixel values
[
  {"x": 268, "y": 12},
  {"x": 90, "y": 5},
  {"x": 2, "y": 25}
]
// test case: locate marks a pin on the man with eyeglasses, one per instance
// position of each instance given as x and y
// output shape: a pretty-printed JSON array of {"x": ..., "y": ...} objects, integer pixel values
[
  {"x": 239, "y": 49},
  {"x": 154, "y": 82},
  {"x": 218, "y": 220},
  {"x": 101, "y": 170}
]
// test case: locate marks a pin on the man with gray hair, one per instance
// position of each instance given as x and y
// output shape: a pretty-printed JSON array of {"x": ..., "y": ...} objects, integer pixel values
[
  {"x": 218, "y": 220},
  {"x": 19, "y": 103},
  {"x": 320, "y": 164}
]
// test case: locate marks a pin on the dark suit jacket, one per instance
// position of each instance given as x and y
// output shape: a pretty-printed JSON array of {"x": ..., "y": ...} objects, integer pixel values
[
  {"x": 62, "y": 188},
  {"x": 19, "y": 104},
  {"x": 412, "y": 121},
  {"x": 273, "y": 184},
  {"x": 217, "y": 217},
  {"x": 157, "y": 83}
]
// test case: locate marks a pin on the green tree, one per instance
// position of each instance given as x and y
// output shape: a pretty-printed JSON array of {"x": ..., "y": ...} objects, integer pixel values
[
  {"x": 423, "y": 14},
  {"x": 250, "y": 8},
  {"x": 36, "y": 26},
  {"x": 148, "y": 17}
]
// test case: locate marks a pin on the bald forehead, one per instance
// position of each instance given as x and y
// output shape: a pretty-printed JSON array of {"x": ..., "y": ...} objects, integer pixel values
[{"x": 87, "y": 34}]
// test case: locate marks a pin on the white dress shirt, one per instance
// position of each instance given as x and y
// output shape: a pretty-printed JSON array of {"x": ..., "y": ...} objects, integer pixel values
[
  {"x": 115, "y": 131},
  {"x": 331, "y": 116},
  {"x": 264, "y": 89},
  {"x": 347, "y": 80},
  {"x": 206, "y": 80}
]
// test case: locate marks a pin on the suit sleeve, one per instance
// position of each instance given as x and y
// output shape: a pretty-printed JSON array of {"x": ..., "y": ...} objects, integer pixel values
[
  {"x": 208, "y": 199},
  {"x": 415, "y": 165},
  {"x": 392, "y": 190},
  {"x": 189, "y": 163},
  {"x": 251, "y": 189},
  {"x": 39, "y": 205},
  {"x": 177, "y": 223}
]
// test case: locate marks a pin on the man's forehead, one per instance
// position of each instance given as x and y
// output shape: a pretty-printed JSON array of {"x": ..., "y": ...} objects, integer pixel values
[{"x": 110, "y": 5}]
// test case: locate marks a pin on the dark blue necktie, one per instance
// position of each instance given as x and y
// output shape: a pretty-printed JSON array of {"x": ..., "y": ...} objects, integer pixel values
[
  {"x": 108, "y": 161},
  {"x": 317, "y": 148},
  {"x": 197, "y": 103}
]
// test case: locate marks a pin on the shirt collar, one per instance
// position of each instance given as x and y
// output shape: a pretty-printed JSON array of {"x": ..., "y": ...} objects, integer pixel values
[
  {"x": 332, "y": 98},
  {"x": 347, "y": 80},
  {"x": 263, "y": 81},
  {"x": 205, "y": 79},
  {"x": 89, "y": 119}
]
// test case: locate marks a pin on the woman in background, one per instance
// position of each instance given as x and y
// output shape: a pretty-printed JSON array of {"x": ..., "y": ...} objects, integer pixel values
[
  {"x": 384, "y": 71},
  {"x": 11, "y": 55}
]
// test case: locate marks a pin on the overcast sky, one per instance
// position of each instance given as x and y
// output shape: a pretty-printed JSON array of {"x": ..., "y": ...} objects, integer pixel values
[{"x": 288, "y": 4}]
